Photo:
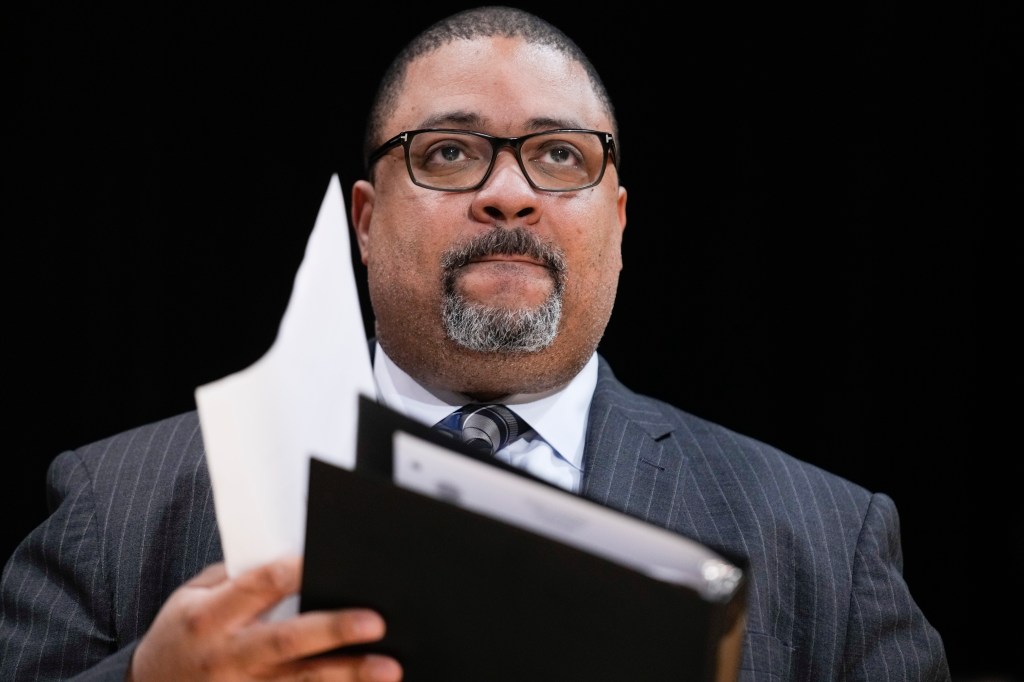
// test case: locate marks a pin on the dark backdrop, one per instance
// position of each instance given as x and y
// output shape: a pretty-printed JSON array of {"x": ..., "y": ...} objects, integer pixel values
[{"x": 811, "y": 257}]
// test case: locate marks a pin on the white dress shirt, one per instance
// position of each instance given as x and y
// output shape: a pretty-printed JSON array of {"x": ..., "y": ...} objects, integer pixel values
[{"x": 552, "y": 449}]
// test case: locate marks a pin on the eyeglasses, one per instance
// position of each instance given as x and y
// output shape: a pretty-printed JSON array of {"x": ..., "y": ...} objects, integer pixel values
[{"x": 462, "y": 160}]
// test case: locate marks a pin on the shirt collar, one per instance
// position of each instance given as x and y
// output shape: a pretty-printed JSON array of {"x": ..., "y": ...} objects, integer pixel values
[{"x": 558, "y": 416}]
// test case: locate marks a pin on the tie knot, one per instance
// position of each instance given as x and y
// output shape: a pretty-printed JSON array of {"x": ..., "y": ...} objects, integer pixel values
[{"x": 486, "y": 427}]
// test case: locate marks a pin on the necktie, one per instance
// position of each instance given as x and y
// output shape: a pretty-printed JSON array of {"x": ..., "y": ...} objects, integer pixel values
[{"x": 487, "y": 428}]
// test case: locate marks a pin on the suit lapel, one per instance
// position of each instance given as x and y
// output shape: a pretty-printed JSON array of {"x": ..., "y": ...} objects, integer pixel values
[{"x": 626, "y": 466}]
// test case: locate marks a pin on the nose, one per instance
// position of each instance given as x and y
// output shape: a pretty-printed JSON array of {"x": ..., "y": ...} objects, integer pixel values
[{"x": 507, "y": 194}]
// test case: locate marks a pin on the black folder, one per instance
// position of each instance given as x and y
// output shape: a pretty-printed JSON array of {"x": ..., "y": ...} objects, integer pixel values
[{"x": 469, "y": 597}]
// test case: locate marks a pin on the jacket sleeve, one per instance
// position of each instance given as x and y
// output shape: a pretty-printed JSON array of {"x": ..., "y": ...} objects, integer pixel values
[
  {"x": 56, "y": 614},
  {"x": 888, "y": 635}
]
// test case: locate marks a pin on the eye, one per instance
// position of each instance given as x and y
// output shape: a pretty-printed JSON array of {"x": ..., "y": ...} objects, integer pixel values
[
  {"x": 562, "y": 155},
  {"x": 449, "y": 152},
  {"x": 559, "y": 153}
]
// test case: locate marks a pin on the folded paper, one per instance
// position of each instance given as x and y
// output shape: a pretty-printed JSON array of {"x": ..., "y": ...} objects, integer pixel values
[{"x": 262, "y": 424}]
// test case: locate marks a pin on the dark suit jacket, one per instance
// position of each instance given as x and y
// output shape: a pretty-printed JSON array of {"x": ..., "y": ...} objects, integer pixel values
[{"x": 133, "y": 518}]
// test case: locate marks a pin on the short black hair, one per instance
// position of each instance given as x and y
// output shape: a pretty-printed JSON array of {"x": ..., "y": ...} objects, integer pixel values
[{"x": 479, "y": 22}]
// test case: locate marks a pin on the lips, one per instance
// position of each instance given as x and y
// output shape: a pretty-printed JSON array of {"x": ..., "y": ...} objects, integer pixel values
[
  {"x": 509, "y": 258},
  {"x": 505, "y": 245}
]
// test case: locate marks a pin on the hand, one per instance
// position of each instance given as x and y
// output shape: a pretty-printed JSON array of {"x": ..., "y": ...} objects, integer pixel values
[{"x": 210, "y": 629}]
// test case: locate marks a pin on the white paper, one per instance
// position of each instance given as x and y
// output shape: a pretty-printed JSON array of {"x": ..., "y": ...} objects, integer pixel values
[
  {"x": 430, "y": 469},
  {"x": 261, "y": 425}
]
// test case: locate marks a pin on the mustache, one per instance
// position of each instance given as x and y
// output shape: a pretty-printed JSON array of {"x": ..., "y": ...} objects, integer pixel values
[{"x": 514, "y": 241}]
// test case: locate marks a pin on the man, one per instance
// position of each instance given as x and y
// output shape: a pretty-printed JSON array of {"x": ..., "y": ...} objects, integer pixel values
[{"x": 491, "y": 225}]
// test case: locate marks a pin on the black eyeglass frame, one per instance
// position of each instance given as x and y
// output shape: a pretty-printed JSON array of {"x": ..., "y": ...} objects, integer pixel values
[{"x": 404, "y": 139}]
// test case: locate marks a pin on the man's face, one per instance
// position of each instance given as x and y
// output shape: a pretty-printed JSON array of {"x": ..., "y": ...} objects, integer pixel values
[{"x": 504, "y": 248}]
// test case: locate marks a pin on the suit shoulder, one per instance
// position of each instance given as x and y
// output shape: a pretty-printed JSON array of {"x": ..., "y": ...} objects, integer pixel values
[
  {"x": 170, "y": 443},
  {"x": 715, "y": 445}
]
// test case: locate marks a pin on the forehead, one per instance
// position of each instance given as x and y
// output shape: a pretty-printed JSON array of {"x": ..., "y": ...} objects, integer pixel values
[{"x": 503, "y": 86}]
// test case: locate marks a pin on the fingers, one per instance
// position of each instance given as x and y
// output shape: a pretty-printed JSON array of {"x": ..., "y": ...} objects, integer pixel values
[
  {"x": 210, "y": 629},
  {"x": 378, "y": 669},
  {"x": 209, "y": 576},
  {"x": 267, "y": 644},
  {"x": 236, "y": 605},
  {"x": 238, "y": 601},
  {"x": 369, "y": 668}
]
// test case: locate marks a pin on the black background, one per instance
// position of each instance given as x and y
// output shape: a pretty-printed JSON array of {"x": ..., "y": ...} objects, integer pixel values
[{"x": 822, "y": 246}]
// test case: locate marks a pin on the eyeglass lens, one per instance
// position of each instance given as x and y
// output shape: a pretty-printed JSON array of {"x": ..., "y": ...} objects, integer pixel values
[{"x": 556, "y": 160}]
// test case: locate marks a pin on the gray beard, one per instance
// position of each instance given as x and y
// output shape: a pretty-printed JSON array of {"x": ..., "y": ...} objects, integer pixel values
[
  {"x": 493, "y": 330},
  {"x": 489, "y": 329}
]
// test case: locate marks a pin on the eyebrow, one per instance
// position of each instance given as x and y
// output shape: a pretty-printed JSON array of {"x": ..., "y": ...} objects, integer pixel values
[{"x": 472, "y": 121}]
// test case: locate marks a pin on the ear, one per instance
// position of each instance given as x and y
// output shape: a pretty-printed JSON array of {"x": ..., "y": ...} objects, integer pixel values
[
  {"x": 617, "y": 233},
  {"x": 363, "y": 196},
  {"x": 621, "y": 206}
]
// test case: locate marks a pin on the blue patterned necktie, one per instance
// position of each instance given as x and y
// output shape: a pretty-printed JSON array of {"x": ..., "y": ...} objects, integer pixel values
[{"x": 487, "y": 428}]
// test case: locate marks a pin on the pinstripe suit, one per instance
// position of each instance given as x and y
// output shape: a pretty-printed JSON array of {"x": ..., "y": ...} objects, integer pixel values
[{"x": 133, "y": 518}]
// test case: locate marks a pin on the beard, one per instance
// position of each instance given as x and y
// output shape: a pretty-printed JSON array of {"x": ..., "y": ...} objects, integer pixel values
[{"x": 492, "y": 329}]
